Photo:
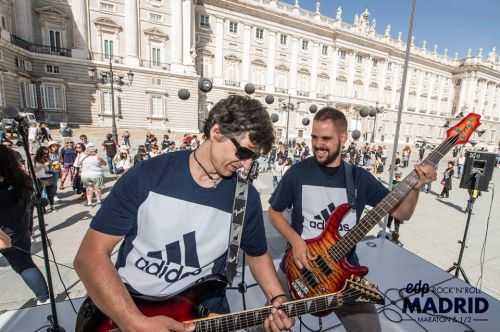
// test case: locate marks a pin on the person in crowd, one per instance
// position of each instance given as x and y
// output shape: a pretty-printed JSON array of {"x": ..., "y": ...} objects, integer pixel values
[
  {"x": 33, "y": 137},
  {"x": 92, "y": 174},
  {"x": 378, "y": 166},
  {"x": 406, "y": 157},
  {"x": 84, "y": 139},
  {"x": 195, "y": 142},
  {"x": 155, "y": 151},
  {"x": 148, "y": 206},
  {"x": 460, "y": 164},
  {"x": 397, "y": 162},
  {"x": 55, "y": 163},
  {"x": 141, "y": 155},
  {"x": 19, "y": 156},
  {"x": 314, "y": 185},
  {"x": 147, "y": 141},
  {"x": 126, "y": 138},
  {"x": 44, "y": 133},
  {"x": 165, "y": 143},
  {"x": 68, "y": 156},
  {"x": 287, "y": 165},
  {"x": 421, "y": 152},
  {"x": 77, "y": 179},
  {"x": 109, "y": 146},
  {"x": 122, "y": 160},
  {"x": 16, "y": 199},
  {"x": 45, "y": 174},
  {"x": 446, "y": 181},
  {"x": 277, "y": 172}
]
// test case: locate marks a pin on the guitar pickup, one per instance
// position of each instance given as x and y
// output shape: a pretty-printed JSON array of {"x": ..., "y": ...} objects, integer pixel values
[
  {"x": 323, "y": 265},
  {"x": 310, "y": 278}
]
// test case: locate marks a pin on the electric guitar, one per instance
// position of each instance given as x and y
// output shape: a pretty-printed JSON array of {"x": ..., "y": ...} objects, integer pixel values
[
  {"x": 186, "y": 307},
  {"x": 330, "y": 269}
]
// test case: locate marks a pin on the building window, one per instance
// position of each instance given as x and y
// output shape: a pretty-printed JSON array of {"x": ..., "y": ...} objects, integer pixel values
[
  {"x": 4, "y": 23},
  {"x": 106, "y": 103},
  {"x": 52, "y": 69},
  {"x": 108, "y": 48},
  {"x": 205, "y": 21},
  {"x": 389, "y": 66},
  {"x": 359, "y": 59},
  {"x": 106, "y": 6},
  {"x": 305, "y": 45},
  {"x": 324, "y": 50},
  {"x": 259, "y": 33},
  {"x": 55, "y": 40},
  {"x": 283, "y": 39},
  {"x": 259, "y": 76},
  {"x": 342, "y": 54},
  {"x": 157, "y": 107},
  {"x": 27, "y": 92},
  {"x": 205, "y": 66},
  {"x": 233, "y": 27},
  {"x": 156, "y": 56},
  {"x": 155, "y": 18},
  {"x": 53, "y": 97}
]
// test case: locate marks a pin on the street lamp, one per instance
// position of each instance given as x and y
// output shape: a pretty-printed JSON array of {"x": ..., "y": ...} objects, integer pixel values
[
  {"x": 372, "y": 112},
  {"x": 111, "y": 78}
]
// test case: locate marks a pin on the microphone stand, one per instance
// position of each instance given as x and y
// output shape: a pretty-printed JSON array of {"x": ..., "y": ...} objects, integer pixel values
[{"x": 22, "y": 131}]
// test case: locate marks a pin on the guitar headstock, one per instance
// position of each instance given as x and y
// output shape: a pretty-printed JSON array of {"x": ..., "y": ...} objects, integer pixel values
[
  {"x": 365, "y": 290},
  {"x": 465, "y": 128}
]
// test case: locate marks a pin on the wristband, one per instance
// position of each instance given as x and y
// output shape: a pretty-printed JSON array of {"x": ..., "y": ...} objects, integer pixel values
[{"x": 276, "y": 297}]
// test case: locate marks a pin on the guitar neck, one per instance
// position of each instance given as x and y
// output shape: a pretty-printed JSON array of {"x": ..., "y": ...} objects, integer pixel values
[
  {"x": 246, "y": 319},
  {"x": 345, "y": 245}
]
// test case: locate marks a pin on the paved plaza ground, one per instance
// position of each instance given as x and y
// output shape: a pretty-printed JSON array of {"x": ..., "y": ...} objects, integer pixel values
[{"x": 432, "y": 234}]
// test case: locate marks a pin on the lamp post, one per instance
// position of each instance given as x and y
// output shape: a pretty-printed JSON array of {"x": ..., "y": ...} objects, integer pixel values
[
  {"x": 110, "y": 77},
  {"x": 372, "y": 112}
]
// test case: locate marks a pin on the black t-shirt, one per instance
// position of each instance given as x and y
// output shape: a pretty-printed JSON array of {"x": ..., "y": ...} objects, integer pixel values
[
  {"x": 14, "y": 212},
  {"x": 110, "y": 147}
]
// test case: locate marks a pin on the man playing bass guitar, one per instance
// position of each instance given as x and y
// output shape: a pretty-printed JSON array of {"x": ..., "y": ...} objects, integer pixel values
[
  {"x": 173, "y": 213},
  {"x": 315, "y": 186}
]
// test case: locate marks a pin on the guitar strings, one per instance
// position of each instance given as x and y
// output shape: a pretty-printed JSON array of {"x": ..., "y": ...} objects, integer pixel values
[{"x": 226, "y": 322}]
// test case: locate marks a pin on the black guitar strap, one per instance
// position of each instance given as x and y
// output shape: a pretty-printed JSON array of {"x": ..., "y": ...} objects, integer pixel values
[
  {"x": 238, "y": 219},
  {"x": 349, "y": 183}
]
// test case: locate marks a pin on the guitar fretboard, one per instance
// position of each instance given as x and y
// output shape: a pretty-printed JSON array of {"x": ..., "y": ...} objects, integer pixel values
[
  {"x": 356, "y": 234},
  {"x": 246, "y": 319}
]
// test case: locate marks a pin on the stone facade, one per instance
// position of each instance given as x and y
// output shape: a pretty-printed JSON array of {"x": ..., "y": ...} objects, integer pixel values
[{"x": 53, "y": 54}]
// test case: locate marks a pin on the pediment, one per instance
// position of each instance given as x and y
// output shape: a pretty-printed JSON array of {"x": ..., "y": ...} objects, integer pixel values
[
  {"x": 51, "y": 11},
  {"x": 259, "y": 62},
  {"x": 282, "y": 68},
  {"x": 304, "y": 71},
  {"x": 156, "y": 33},
  {"x": 232, "y": 57},
  {"x": 107, "y": 22}
]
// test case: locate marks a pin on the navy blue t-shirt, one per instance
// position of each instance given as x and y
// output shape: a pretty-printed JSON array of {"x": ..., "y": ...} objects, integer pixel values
[
  {"x": 313, "y": 191},
  {"x": 176, "y": 232}
]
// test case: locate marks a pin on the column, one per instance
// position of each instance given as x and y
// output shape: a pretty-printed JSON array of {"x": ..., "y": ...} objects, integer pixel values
[
  {"x": 367, "y": 73},
  {"x": 491, "y": 95},
  {"x": 420, "y": 78},
  {"x": 333, "y": 70},
  {"x": 24, "y": 19},
  {"x": 219, "y": 51},
  {"x": 395, "y": 84},
  {"x": 462, "y": 99},
  {"x": 271, "y": 60},
  {"x": 293, "y": 67},
  {"x": 176, "y": 38},
  {"x": 382, "y": 71},
  {"x": 472, "y": 91},
  {"x": 351, "y": 61},
  {"x": 187, "y": 42},
  {"x": 131, "y": 32},
  {"x": 80, "y": 30},
  {"x": 314, "y": 70},
  {"x": 440, "y": 82},
  {"x": 432, "y": 83},
  {"x": 245, "y": 62}
]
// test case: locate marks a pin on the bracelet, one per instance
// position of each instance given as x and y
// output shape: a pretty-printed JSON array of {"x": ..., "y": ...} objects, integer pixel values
[{"x": 276, "y": 297}]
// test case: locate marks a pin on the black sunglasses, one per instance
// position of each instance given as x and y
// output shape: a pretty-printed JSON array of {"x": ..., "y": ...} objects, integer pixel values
[{"x": 243, "y": 153}]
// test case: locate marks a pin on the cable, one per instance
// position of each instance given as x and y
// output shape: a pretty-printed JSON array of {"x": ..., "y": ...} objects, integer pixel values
[
  {"x": 482, "y": 256},
  {"x": 41, "y": 257}
]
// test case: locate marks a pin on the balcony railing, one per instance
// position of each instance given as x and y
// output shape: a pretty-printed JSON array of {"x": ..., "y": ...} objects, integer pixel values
[
  {"x": 38, "y": 48},
  {"x": 302, "y": 93},
  {"x": 105, "y": 57},
  {"x": 281, "y": 90},
  {"x": 155, "y": 65},
  {"x": 260, "y": 87},
  {"x": 322, "y": 95},
  {"x": 232, "y": 83}
]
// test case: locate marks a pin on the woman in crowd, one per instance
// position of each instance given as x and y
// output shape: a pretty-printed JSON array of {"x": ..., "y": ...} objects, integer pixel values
[
  {"x": 77, "y": 180},
  {"x": 16, "y": 191},
  {"x": 55, "y": 163},
  {"x": 46, "y": 175},
  {"x": 155, "y": 151},
  {"x": 122, "y": 160},
  {"x": 446, "y": 181},
  {"x": 92, "y": 173},
  {"x": 68, "y": 156}
]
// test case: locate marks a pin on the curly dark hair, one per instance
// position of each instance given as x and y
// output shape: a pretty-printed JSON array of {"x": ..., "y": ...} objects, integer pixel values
[
  {"x": 237, "y": 115},
  {"x": 13, "y": 174}
]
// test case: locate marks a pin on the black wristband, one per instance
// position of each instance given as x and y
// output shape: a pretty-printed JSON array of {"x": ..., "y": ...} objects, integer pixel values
[{"x": 276, "y": 297}]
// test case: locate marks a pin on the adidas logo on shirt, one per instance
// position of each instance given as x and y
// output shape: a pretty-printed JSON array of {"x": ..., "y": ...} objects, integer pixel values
[
  {"x": 320, "y": 219},
  {"x": 171, "y": 267}
]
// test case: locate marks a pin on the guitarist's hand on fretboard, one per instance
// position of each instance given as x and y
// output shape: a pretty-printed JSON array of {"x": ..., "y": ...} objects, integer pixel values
[
  {"x": 278, "y": 320},
  {"x": 426, "y": 174}
]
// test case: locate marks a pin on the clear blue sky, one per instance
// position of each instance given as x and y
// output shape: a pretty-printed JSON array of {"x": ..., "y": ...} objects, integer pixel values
[{"x": 453, "y": 24}]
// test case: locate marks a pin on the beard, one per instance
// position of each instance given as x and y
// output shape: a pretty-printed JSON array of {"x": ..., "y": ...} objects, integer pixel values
[{"x": 330, "y": 157}]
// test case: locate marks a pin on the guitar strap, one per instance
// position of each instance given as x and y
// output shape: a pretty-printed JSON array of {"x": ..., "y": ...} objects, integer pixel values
[
  {"x": 349, "y": 184},
  {"x": 237, "y": 221}
]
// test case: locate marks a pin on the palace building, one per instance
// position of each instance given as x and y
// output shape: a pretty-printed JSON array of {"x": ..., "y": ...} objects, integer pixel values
[{"x": 56, "y": 58}]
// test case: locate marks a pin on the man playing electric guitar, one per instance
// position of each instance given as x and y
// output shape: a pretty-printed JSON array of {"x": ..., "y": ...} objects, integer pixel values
[
  {"x": 315, "y": 186},
  {"x": 173, "y": 213}
]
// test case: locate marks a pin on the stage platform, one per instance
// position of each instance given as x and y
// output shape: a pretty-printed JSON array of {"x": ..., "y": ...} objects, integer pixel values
[{"x": 392, "y": 268}]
